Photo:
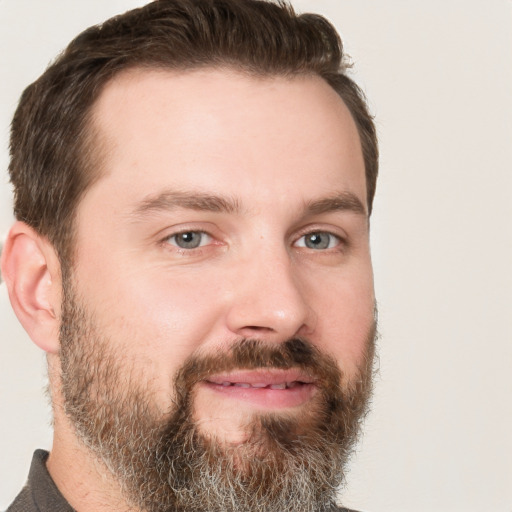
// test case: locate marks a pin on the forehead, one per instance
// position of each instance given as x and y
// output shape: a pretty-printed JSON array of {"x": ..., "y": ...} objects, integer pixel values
[{"x": 223, "y": 130}]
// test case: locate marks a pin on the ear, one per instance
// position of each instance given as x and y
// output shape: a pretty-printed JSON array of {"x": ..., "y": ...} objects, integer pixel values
[{"x": 31, "y": 270}]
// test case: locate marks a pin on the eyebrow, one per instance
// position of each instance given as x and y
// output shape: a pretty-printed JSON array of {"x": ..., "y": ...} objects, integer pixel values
[
  {"x": 344, "y": 201},
  {"x": 170, "y": 200}
]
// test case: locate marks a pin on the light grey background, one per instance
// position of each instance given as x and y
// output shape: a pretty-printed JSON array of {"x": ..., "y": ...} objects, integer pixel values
[{"x": 439, "y": 77}]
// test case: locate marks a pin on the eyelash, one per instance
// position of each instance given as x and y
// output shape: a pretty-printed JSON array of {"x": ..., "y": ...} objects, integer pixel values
[
  {"x": 335, "y": 242},
  {"x": 332, "y": 238},
  {"x": 174, "y": 236}
]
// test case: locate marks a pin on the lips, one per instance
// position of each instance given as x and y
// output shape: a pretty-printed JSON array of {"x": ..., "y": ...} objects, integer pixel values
[
  {"x": 264, "y": 388},
  {"x": 261, "y": 385},
  {"x": 262, "y": 378}
]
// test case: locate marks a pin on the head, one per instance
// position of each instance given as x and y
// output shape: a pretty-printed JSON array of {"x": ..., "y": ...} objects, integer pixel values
[{"x": 196, "y": 179}]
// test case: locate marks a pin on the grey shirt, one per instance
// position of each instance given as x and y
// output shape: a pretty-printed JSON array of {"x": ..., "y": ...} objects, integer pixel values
[{"x": 40, "y": 493}]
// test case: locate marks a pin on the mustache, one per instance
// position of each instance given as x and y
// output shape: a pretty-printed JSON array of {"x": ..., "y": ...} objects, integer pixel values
[
  {"x": 333, "y": 415},
  {"x": 251, "y": 354}
]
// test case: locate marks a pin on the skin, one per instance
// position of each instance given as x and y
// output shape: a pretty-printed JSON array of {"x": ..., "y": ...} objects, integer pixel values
[{"x": 269, "y": 148}]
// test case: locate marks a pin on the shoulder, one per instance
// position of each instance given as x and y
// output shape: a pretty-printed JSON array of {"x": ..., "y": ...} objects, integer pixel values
[{"x": 23, "y": 502}]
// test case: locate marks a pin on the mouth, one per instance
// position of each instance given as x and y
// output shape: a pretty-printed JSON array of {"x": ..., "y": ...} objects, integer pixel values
[
  {"x": 265, "y": 389},
  {"x": 262, "y": 385}
]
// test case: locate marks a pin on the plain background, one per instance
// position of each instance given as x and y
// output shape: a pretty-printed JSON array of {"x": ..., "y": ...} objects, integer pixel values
[{"x": 439, "y": 78}]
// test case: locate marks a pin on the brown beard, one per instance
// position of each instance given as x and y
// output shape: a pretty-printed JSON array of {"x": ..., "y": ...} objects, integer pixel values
[{"x": 163, "y": 462}]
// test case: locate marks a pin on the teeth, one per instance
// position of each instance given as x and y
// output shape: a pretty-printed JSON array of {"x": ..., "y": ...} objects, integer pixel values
[{"x": 261, "y": 385}]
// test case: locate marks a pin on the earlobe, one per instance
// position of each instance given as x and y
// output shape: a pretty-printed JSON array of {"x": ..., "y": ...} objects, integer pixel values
[{"x": 31, "y": 271}]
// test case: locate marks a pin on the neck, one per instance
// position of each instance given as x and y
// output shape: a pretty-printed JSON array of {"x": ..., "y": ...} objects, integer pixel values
[{"x": 83, "y": 480}]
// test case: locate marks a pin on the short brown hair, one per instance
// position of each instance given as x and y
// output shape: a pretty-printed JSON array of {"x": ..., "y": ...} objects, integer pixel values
[{"x": 54, "y": 154}]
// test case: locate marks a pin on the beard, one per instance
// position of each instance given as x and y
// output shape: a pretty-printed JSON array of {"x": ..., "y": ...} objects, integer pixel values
[{"x": 163, "y": 462}]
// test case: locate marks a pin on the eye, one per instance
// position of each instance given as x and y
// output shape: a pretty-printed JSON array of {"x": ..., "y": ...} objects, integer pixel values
[
  {"x": 318, "y": 240},
  {"x": 190, "y": 239}
]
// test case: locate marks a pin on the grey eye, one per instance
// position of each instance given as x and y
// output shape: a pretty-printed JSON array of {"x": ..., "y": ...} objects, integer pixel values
[
  {"x": 190, "y": 239},
  {"x": 318, "y": 240}
]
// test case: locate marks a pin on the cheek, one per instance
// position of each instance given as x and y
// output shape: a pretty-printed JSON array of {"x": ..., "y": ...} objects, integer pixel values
[
  {"x": 178, "y": 317},
  {"x": 346, "y": 318},
  {"x": 153, "y": 319}
]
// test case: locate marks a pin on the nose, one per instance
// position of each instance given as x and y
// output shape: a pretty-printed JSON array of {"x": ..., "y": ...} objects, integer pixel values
[{"x": 270, "y": 300}]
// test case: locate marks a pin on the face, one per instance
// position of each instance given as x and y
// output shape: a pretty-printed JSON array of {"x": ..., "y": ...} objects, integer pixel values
[{"x": 223, "y": 260}]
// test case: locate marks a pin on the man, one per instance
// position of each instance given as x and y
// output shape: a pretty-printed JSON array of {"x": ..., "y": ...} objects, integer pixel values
[{"x": 193, "y": 182}]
